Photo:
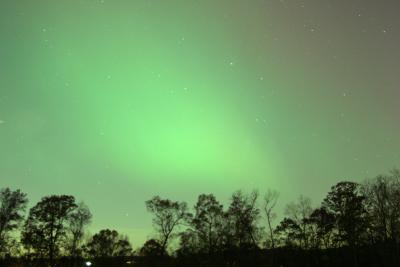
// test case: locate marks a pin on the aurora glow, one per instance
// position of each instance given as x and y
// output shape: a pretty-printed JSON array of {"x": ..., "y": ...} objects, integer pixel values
[{"x": 116, "y": 101}]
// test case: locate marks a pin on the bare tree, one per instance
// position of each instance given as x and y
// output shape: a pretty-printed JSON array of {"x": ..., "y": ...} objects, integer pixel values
[
  {"x": 382, "y": 198},
  {"x": 168, "y": 215},
  {"x": 299, "y": 212},
  {"x": 270, "y": 200},
  {"x": 77, "y": 221}
]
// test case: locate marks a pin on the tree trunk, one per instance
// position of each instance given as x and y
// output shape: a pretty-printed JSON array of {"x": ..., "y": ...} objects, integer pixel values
[
  {"x": 164, "y": 245},
  {"x": 271, "y": 233},
  {"x": 51, "y": 256}
]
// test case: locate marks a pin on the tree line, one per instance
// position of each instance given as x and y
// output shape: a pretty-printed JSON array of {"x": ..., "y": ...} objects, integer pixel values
[{"x": 356, "y": 224}]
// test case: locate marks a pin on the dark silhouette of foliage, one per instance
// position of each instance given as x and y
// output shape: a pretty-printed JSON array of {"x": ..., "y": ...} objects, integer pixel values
[
  {"x": 325, "y": 223},
  {"x": 46, "y": 225},
  {"x": 242, "y": 216},
  {"x": 347, "y": 204},
  {"x": 108, "y": 243},
  {"x": 289, "y": 232},
  {"x": 208, "y": 223},
  {"x": 12, "y": 206},
  {"x": 151, "y": 248},
  {"x": 189, "y": 243},
  {"x": 356, "y": 225}
]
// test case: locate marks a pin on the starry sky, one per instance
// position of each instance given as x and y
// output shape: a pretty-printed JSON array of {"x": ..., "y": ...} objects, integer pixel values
[{"x": 115, "y": 101}]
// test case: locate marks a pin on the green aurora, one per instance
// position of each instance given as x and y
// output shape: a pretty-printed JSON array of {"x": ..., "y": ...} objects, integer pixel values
[{"x": 115, "y": 101}]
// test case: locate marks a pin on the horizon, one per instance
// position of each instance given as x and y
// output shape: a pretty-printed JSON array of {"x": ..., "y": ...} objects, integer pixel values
[{"x": 137, "y": 243}]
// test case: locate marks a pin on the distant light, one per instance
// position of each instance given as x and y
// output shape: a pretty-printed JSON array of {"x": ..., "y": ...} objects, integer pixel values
[{"x": 88, "y": 263}]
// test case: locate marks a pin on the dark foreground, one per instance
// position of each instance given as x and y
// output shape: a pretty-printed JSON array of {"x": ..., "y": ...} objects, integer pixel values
[{"x": 376, "y": 256}]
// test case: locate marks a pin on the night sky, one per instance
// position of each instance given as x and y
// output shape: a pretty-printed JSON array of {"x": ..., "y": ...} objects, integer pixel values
[{"x": 115, "y": 101}]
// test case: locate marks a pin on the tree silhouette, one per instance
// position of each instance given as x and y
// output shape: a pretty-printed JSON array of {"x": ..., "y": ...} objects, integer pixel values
[
  {"x": 347, "y": 204},
  {"x": 76, "y": 223},
  {"x": 168, "y": 215},
  {"x": 12, "y": 206},
  {"x": 242, "y": 217},
  {"x": 289, "y": 232},
  {"x": 46, "y": 225},
  {"x": 270, "y": 200},
  {"x": 299, "y": 212},
  {"x": 151, "y": 248},
  {"x": 382, "y": 198},
  {"x": 325, "y": 223},
  {"x": 356, "y": 225},
  {"x": 189, "y": 243},
  {"x": 108, "y": 243},
  {"x": 208, "y": 222}
]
